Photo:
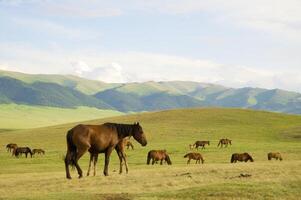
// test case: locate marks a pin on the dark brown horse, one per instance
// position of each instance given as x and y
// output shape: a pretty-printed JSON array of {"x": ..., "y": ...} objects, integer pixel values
[
  {"x": 22, "y": 150},
  {"x": 98, "y": 139},
  {"x": 11, "y": 146},
  {"x": 120, "y": 152},
  {"x": 38, "y": 151},
  {"x": 242, "y": 157},
  {"x": 194, "y": 156},
  {"x": 224, "y": 142},
  {"x": 158, "y": 155},
  {"x": 276, "y": 155},
  {"x": 202, "y": 144}
]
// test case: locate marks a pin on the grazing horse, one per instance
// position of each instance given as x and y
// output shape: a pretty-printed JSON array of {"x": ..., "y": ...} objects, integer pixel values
[
  {"x": 38, "y": 151},
  {"x": 158, "y": 155},
  {"x": 224, "y": 142},
  {"x": 194, "y": 156},
  {"x": 11, "y": 147},
  {"x": 22, "y": 150},
  {"x": 120, "y": 152},
  {"x": 202, "y": 144},
  {"x": 98, "y": 139},
  {"x": 243, "y": 157},
  {"x": 276, "y": 155}
]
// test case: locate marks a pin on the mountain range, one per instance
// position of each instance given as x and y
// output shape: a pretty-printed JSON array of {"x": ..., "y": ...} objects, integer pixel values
[{"x": 68, "y": 91}]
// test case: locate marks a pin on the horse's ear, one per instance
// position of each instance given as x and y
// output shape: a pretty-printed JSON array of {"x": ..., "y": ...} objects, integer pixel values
[{"x": 138, "y": 123}]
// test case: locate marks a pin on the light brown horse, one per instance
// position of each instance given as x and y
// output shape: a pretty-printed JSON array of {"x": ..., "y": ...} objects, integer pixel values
[
  {"x": 158, "y": 155},
  {"x": 98, "y": 139},
  {"x": 11, "y": 147},
  {"x": 202, "y": 144},
  {"x": 120, "y": 152},
  {"x": 276, "y": 155},
  {"x": 194, "y": 156},
  {"x": 242, "y": 157},
  {"x": 38, "y": 151},
  {"x": 224, "y": 142}
]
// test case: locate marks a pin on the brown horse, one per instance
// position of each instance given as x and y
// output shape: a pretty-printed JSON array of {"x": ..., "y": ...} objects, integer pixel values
[
  {"x": 202, "y": 144},
  {"x": 120, "y": 152},
  {"x": 38, "y": 151},
  {"x": 224, "y": 142},
  {"x": 243, "y": 157},
  {"x": 98, "y": 139},
  {"x": 11, "y": 147},
  {"x": 22, "y": 150},
  {"x": 158, "y": 155},
  {"x": 276, "y": 155},
  {"x": 194, "y": 156}
]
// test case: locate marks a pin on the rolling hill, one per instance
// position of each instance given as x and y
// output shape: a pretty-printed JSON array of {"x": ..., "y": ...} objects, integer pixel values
[
  {"x": 256, "y": 132},
  {"x": 70, "y": 91}
]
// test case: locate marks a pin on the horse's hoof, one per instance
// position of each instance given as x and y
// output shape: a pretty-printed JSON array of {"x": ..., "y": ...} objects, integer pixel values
[
  {"x": 80, "y": 176},
  {"x": 69, "y": 177}
]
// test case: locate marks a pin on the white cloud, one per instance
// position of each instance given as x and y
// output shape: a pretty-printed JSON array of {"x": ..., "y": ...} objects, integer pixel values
[
  {"x": 141, "y": 66},
  {"x": 112, "y": 73}
]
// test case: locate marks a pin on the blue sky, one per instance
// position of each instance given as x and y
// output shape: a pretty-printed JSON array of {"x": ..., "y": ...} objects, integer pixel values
[{"x": 236, "y": 43}]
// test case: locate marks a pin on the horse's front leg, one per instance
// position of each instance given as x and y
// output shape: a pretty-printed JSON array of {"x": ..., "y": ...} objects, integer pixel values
[
  {"x": 95, "y": 162},
  {"x": 107, "y": 160},
  {"x": 120, "y": 160}
]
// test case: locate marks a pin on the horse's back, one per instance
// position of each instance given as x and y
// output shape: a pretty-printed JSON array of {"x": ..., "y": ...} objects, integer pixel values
[{"x": 96, "y": 137}]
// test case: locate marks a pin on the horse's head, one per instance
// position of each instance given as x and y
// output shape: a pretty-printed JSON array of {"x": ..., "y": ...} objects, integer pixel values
[
  {"x": 139, "y": 135},
  {"x": 249, "y": 157},
  {"x": 208, "y": 142}
]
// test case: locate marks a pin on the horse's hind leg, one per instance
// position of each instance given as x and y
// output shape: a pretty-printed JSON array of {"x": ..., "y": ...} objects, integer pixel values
[{"x": 67, "y": 162}]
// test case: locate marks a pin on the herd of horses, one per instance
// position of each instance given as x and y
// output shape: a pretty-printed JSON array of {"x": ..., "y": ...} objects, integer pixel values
[
  {"x": 18, "y": 151},
  {"x": 107, "y": 137}
]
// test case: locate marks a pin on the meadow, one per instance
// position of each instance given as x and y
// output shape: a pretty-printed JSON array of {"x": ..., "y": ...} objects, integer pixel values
[{"x": 255, "y": 132}]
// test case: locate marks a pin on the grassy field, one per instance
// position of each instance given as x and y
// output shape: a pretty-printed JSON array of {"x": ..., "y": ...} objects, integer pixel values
[
  {"x": 13, "y": 116},
  {"x": 255, "y": 132}
]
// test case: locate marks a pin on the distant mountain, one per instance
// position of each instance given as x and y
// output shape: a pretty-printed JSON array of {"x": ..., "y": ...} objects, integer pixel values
[
  {"x": 72, "y": 91},
  {"x": 46, "y": 94}
]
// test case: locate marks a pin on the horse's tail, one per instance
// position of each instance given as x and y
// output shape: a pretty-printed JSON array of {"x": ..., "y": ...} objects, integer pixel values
[
  {"x": 186, "y": 155},
  {"x": 71, "y": 149},
  {"x": 250, "y": 158},
  {"x": 148, "y": 158},
  {"x": 220, "y": 142}
]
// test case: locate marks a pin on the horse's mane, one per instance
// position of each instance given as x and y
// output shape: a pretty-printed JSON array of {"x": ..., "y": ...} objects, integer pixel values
[{"x": 122, "y": 129}]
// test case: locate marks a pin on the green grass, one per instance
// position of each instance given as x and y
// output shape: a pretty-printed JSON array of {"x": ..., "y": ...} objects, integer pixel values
[
  {"x": 255, "y": 132},
  {"x": 13, "y": 116}
]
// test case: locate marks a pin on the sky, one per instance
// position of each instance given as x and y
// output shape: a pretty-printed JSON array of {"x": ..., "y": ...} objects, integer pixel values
[{"x": 236, "y": 43}]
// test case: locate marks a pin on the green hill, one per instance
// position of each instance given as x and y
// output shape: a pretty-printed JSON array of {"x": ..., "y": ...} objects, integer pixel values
[
  {"x": 71, "y": 91},
  {"x": 256, "y": 132},
  {"x": 83, "y": 85},
  {"x": 46, "y": 94}
]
